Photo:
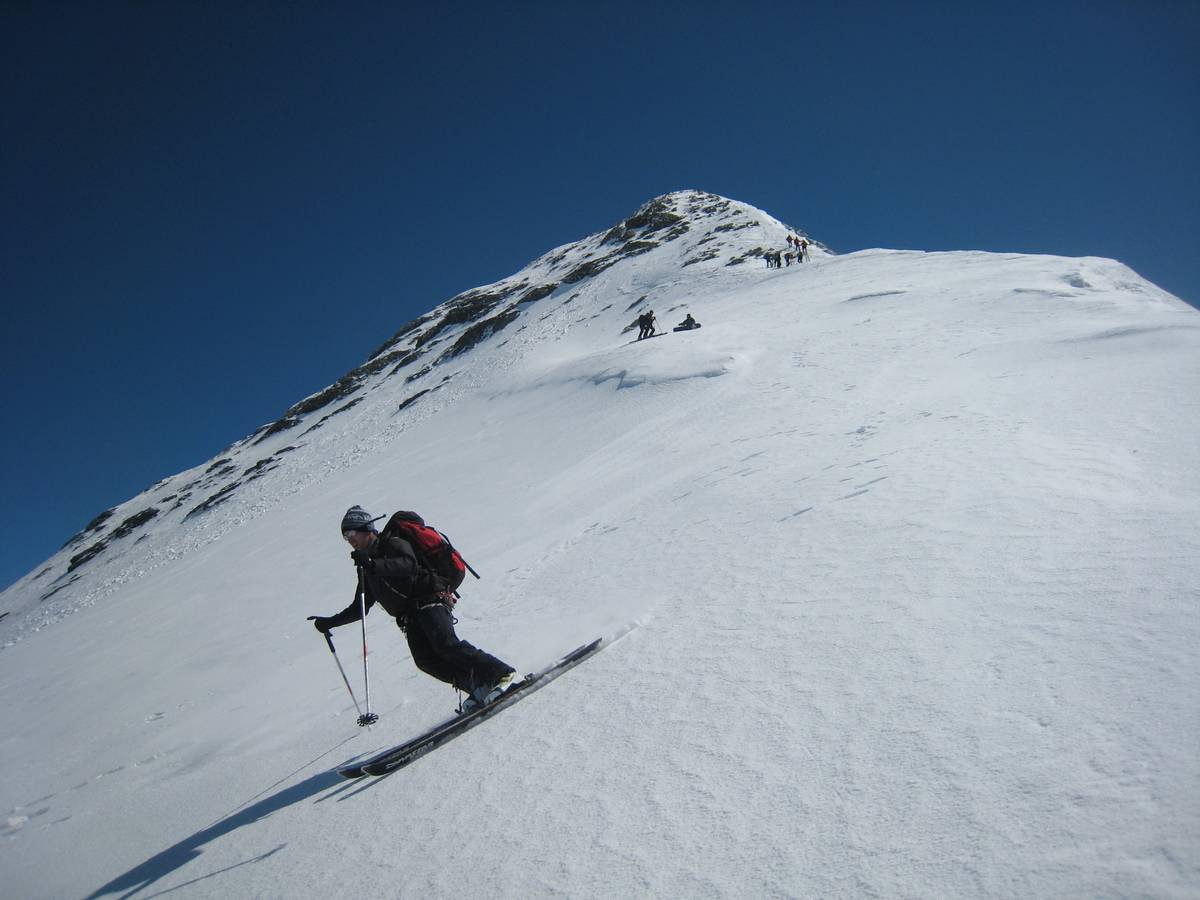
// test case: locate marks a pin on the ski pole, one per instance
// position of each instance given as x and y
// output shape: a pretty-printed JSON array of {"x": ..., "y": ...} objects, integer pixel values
[
  {"x": 370, "y": 718},
  {"x": 329, "y": 640}
]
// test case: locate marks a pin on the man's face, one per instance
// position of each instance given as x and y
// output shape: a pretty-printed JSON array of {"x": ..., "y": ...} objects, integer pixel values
[{"x": 359, "y": 540}]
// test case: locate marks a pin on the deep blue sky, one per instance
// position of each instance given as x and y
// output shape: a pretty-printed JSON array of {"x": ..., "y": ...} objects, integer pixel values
[{"x": 210, "y": 212}]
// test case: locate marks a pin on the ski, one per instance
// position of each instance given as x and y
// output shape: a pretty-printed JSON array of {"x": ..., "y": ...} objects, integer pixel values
[
  {"x": 647, "y": 337},
  {"x": 398, "y": 757}
]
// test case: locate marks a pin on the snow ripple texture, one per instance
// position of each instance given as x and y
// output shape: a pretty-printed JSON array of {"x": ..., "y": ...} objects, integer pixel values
[{"x": 902, "y": 546}]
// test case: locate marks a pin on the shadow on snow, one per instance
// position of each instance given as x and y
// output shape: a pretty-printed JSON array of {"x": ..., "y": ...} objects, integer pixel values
[{"x": 177, "y": 856}]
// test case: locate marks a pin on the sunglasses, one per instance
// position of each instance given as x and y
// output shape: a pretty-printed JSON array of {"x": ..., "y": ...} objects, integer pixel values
[{"x": 347, "y": 534}]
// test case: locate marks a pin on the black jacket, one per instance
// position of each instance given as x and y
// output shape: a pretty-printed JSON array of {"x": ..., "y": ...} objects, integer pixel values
[{"x": 395, "y": 580}]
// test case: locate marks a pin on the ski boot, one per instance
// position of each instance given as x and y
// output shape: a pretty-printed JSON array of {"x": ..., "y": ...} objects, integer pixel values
[{"x": 486, "y": 693}]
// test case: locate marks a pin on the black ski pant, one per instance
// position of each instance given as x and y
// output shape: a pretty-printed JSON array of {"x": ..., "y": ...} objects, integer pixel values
[{"x": 439, "y": 652}]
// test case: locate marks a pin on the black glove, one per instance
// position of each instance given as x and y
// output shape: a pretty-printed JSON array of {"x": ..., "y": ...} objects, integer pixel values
[
  {"x": 362, "y": 558},
  {"x": 321, "y": 623}
]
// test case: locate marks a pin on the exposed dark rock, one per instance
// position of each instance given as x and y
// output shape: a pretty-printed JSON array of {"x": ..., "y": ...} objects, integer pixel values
[
  {"x": 415, "y": 375},
  {"x": 736, "y": 226},
  {"x": 636, "y": 248},
  {"x": 46, "y": 596},
  {"x": 135, "y": 521},
  {"x": 537, "y": 293},
  {"x": 344, "y": 386},
  {"x": 711, "y": 253},
  {"x": 405, "y": 360},
  {"x": 282, "y": 425},
  {"x": 413, "y": 399},
  {"x": 262, "y": 467},
  {"x": 636, "y": 303},
  {"x": 215, "y": 500},
  {"x": 596, "y": 266},
  {"x": 756, "y": 253},
  {"x": 591, "y": 269},
  {"x": 347, "y": 384},
  {"x": 481, "y": 331},
  {"x": 468, "y": 307},
  {"x": 341, "y": 409},
  {"x": 709, "y": 205},
  {"x": 403, "y": 332},
  {"x": 90, "y": 553},
  {"x": 215, "y": 474},
  {"x": 654, "y": 216},
  {"x": 91, "y": 526},
  {"x": 553, "y": 261},
  {"x": 183, "y": 498},
  {"x": 99, "y": 520}
]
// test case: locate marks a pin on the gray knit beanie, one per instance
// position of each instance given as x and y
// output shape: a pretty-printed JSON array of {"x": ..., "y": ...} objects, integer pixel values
[{"x": 357, "y": 519}]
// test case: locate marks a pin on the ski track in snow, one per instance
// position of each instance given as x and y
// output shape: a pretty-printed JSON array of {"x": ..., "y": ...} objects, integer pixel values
[{"x": 900, "y": 546}]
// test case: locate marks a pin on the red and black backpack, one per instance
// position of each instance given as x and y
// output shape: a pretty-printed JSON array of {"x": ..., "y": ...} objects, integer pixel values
[{"x": 434, "y": 550}]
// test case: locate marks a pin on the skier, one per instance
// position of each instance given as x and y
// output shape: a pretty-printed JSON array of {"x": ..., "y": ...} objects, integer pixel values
[
  {"x": 646, "y": 325},
  {"x": 417, "y": 598}
]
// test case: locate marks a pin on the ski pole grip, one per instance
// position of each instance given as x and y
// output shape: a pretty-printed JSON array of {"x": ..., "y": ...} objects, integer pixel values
[{"x": 328, "y": 639}]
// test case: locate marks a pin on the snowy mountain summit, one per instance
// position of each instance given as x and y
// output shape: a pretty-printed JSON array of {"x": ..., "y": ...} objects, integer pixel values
[
  {"x": 693, "y": 232},
  {"x": 897, "y": 556}
]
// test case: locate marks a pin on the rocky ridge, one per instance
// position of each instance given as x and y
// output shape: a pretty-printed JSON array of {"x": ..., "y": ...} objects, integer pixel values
[{"x": 705, "y": 232}]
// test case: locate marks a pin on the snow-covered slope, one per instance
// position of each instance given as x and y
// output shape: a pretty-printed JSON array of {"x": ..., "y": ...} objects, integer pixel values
[{"x": 906, "y": 542}]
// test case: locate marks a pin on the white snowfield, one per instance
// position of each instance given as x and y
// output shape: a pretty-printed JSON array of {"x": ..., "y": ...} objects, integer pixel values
[{"x": 900, "y": 549}]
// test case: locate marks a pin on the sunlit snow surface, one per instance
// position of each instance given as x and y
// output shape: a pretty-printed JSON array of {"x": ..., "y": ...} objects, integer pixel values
[{"x": 902, "y": 547}]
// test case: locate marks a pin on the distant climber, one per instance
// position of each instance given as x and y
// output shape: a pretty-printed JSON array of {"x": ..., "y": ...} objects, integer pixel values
[
  {"x": 687, "y": 324},
  {"x": 646, "y": 325},
  {"x": 803, "y": 245}
]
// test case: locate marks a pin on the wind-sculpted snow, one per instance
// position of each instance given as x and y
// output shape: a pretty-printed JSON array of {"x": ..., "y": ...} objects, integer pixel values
[
  {"x": 630, "y": 365},
  {"x": 908, "y": 538},
  {"x": 636, "y": 376}
]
